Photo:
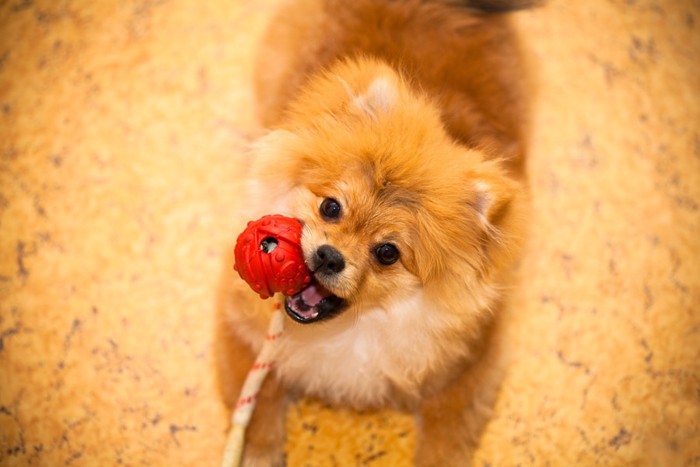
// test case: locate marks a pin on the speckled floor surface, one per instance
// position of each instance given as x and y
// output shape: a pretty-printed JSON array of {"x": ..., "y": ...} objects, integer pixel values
[{"x": 122, "y": 124}]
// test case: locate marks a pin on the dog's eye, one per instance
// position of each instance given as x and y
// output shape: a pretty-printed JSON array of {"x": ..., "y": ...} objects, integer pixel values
[
  {"x": 386, "y": 253},
  {"x": 330, "y": 209}
]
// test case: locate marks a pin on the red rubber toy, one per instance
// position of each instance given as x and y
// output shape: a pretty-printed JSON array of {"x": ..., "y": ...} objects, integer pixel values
[{"x": 269, "y": 257}]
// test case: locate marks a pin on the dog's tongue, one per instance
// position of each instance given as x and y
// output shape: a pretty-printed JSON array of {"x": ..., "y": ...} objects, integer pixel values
[{"x": 313, "y": 294}]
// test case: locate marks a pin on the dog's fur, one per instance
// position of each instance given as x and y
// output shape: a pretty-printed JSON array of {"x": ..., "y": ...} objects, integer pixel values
[{"x": 410, "y": 116}]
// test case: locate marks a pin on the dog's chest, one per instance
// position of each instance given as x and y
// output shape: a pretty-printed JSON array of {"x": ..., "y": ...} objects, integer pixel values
[{"x": 372, "y": 359}]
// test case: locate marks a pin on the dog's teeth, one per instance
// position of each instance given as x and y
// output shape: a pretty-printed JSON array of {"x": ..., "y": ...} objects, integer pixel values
[{"x": 311, "y": 315}]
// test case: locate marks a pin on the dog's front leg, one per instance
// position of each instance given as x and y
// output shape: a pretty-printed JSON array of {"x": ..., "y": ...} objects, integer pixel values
[
  {"x": 264, "y": 440},
  {"x": 450, "y": 422},
  {"x": 445, "y": 431}
]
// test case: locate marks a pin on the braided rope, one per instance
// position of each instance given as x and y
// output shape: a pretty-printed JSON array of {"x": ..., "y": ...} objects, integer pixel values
[{"x": 233, "y": 451}]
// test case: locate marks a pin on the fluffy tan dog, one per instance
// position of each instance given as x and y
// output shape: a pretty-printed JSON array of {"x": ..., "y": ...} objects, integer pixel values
[{"x": 397, "y": 139}]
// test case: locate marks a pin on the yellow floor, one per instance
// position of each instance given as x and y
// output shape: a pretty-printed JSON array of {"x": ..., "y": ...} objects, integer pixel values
[{"x": 122, "y": 124}]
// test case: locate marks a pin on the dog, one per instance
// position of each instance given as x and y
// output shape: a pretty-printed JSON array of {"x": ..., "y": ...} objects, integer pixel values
[{"x": 397, "y": 132}]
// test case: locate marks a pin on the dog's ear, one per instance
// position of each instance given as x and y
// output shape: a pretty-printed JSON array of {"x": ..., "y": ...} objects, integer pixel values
[
  {"x": 270, "y": 161},
  {"x": 493, "y": 194},
  {"x": 379, "y": 97},
  {"x": 271, "y": 155},
  {"x": 478, "y": 227}
]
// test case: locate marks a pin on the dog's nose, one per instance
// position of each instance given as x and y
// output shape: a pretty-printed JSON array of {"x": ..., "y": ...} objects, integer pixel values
[{"x": 328, "y": 260}]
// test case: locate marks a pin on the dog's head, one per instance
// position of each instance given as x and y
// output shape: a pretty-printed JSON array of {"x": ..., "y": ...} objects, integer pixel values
[{"x": 390, "y": 205}]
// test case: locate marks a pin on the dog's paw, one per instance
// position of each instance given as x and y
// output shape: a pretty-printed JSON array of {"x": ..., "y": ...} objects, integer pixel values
[
  {"x": 263, "y": 457},
  {"x": 453, "y": 456}
]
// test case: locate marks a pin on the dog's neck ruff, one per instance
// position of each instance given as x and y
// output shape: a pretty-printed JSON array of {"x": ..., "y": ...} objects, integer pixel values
[{"x": 253, "y": 382}]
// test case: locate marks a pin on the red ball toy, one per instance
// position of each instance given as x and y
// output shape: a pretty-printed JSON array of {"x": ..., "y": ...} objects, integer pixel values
[{"x": 269, "y": 257}]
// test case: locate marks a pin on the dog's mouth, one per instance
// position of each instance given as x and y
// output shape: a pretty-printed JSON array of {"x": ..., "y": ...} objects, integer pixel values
[{"x": 313, "y": 303}]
